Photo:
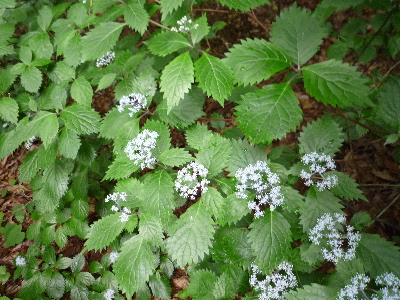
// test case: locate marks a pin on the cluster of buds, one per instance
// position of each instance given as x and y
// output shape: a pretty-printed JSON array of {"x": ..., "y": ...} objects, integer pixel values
[
  {"x": 20, "y": 261},
  {"x": 135, "y": 101},
  {"x": 326, "y": 229},
  {"x": 191, "y": 179},
  {"x": 29, "y": 143},
  {"x": 185, "y": 25},
  {"x": 275, "y": 285},
  {"x": 139, "y": 149},
  {"x": 258, "y": 177},
  {"x": 105, "y": 59},
  {"x": 117, "y": 207},
  {"x": 318, "y": 164}
]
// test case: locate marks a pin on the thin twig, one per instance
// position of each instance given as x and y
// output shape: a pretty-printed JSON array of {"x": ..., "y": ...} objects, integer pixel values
[
  {"x": 387, "y": 73},
  {"x": 384, "y": 210},
  {"x": 158, "y": 24}
]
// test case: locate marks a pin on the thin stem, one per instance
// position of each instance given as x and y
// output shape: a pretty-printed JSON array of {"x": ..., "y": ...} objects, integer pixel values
[
  {"x": 216, "y": 10},
  {"x": 387, "y": 73},
  {"x": 255, "y": 18},
  {"x": 384, "y": 210},
  {"x": 158, "y": 24},
  {"x": 220, "y": 119}
]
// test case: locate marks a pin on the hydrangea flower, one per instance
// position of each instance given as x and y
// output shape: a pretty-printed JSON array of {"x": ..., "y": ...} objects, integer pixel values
[
  {"x": 117, "y": 198},
  {"x": 20, "y": 261},
  {"x": 139, "y": 149},
  {"x": 318, "y": 164},
  {"x": 190, "y": 180},
  {"x": 258, "y": 177},
  {"x": 326, "y": 229},
  {"x": 105, "y": 59},
  {"x": 135, "y": 101},
  {"x": 185, "y": 25},
  {"x": 109, "y": 294},
  {"x": 275, "y": 285}
]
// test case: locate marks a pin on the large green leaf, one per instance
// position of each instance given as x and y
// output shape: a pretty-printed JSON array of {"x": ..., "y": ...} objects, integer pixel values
[
  {"x": 44, "y": 18},
  {"x": 69, "y": 143},
  {"x": 112, "y": 122},
  {"x": 166, "y": 42},
  {"x": 136, "y": 16},
  {"x": 168, "y": 6},
  {"x": 313, "y": 292},
  {"x": 244, "y": 154},
  {"x": 298, "y": 33},
  {"x": 55, "y": 179},
  {"x": 190, "y": 237},
  {"x": 214, "y": 77},
  {"x": 9, "y": 109},
  {"x": 48, "y": 128},
  {"x": 255, "y": 60},
  {"x": 270, "y": 238},
  {"x": 81, "y": 119},
  {"x": 175, "y": 157},
  {"x": 337, "y": 84},
  {"x": 269, "y": 113},
  {"x": 31, "y": 79},
  {"x": 82, "y": 91},
  {"x": 201, "y": 284},
  {"x": 100, "y": 40},
  {"x": 135, "y": 264},
  {"x": 243, "y": 4},
  {"x": 177, "y": 79},
  {"x": 388, "y": 109}
]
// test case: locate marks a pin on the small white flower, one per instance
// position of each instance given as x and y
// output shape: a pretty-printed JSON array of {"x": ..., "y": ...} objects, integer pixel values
[
  {"x": 358, "y": 284},
  {"x": 113, "y": 256},
  {"x": 5, "y": 125},
  {"x": 117, "y": 198},
  {"x": 139, "y": 149},
  {"x": 105, "y": 59},
  {"x": 185, "y": 25},
  {"x": 109, "y": 294},
  {"x": 20, "y": 261},
  {"x": 318, "y": 164},
  {"x": 135, "y": 101},
  {"x": 189, "y": 180},
  {"x": 391, "y": 289},
  {"x": 29, "y": 143},
  {"x": 258, "y": 177}
]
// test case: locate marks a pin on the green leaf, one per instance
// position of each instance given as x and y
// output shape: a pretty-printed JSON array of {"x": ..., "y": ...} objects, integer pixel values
[
  {"x": 160, "y": 286},
  {"x": 232, "y": 281},
  {"x": 175, "y": 157},
  {"x": 136, "y": 16},
  {"x": 214, "y": 77},
  {"x": 243, "y": 5},
  {"x": 313, "y": 292},
  {"x": 44, "y": 18},
  {"x": 167, "y": 42},
  {"x": 270, "y": 239},
  {"x": 6, "y": 80},
  {"x": 388, "y": 109},
  {"x": 199, "y": 137},
  {"x": 168, "y": 6},
  {"x": 269, "y": 113},
  {"x": 31, "y": 79},
  {"x": 244, "y": 154},
  {"x": 177, "y": 79},
  {"x": 197, "y": 34},
  {"x": 120, "y": 168},
  {"x": 100, "y": 40},
  {"x": 378, "y": 255},
  {"x": 336, "y": 83},
  {"x": 41, "y": 45},
  {"x": 318, "y": 203},
  {"x": 48, "y": 128},
  {"x": 55, "y": 179},
  {"x": 106, "y": 81},
  {"x": 298, "y": 33},
  {"x": 80, "y": 209},
  {"x": 13, "y": 234},
  {"x": 347, "y": 187},
  {"x": 152, "y": 229},
  {"x": 191, "y": 236},
  {"x": 201, "y": 283},
  {"x": 9, "y": 109},
  {"x": 85, "y": 278},
  {"x": 79, "y": 292},
  {"x": 112, "y": 122},
  {"x": 216, "y": 156},
  {"x": 56, "y": 286},
  {"x": 104, "y": 231},
  {"x": 78, "y": 262},
  {"x": 214, "y": 202},
  {"x": 234, "y": 210},
  {"x": 82, "y": 91},
  {"x": 134, "y": 265},
  {"x": 164, "y": 136},
  {"x": 34, "y": 231},
  {"x": 81, "y": 119},
  {"x": 255, "y": 60},
  {"x": 61, "y": 238},
  {"x": 69, "y": 143}
]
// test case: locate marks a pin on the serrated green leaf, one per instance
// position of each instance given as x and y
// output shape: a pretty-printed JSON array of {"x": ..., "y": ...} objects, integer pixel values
[
  {"x": 388, "y": 109},
  {"x": 82, "y": 91},
  {"x": 191, "y": 236},
  {"x": 198, "y": 136},
  {"x": 6, "y": 31},
  {"x": 168, "y": 6},
  {"x": 214, "y": 202},
  {"x": 215, "y": 157},
  {"x": 322, "y": 136},
  {"x": 136, "y": 16},
  {"x": 298, "y": 33},
  {"x": 104, "y": 231},
  {"x": 201, "y": 283},
  {"x": 13, "y": 234},
  {"x": 134, "y": 265},
  {"x": 56, "y": 178},
  {"x": 80, "y": 208},
  {"x": 100, "y": 40},
  {"x": 200, "y": 29},
  {"x": 151, "y": 228},
  {"x": 255, "y": 60},
  {"x": 175, "y": 157},
  {"x": 269, "y": 113},
  {"x": 313, "y": 292},
  {"x": 347, "y": 187},
  {"x": 31, "y": 79},
  {"x": 48, "y": 235},
  {"x": 6, "y": 80},
  {"x": 48, "y": 129},
  {"x": 85, "y": 278},
  {"x": 167, "y": 42},
  {"x": 69, "y": 143},
  {"x": 112, "y": 122},
  {"x": 106, "y": 81},
  {"x": 78, "y": 262},
  {"x": 41, "y": 45},
  {"x": 160, "y": 286},
  {"x": 44, "y": 18},
  {"x": 177, "y": 79},
  {"x": 243, "y": 5},
  {"x": 34, "y": 230},
  {"x": 232, "y": 281},
  {"x": 9, "y": 109},
  {"x": 56, "y": 286},
  {"x": 81, "y": 119},
  {"x": 270, "y": 239},
  {"x": 336, "y": 83},
  {"x": 79, "y": 292},
  {"x": 214, "y": 77},
  {"x": 61, "y": 238},
  {"x": 234, "y": 210}
]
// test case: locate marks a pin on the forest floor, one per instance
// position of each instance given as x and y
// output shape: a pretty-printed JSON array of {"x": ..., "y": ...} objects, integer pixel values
[{"x": 373, "y": 165}]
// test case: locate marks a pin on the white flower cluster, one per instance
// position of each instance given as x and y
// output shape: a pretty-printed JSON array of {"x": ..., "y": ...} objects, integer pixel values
[
  {"x": 265, "y": 183},
  {"x": 117, "y": 198},
  {"x": 188, "y": 182},
  {"x": 274, "y": 286},
  {"x": 185, "y": 25},
  {"x": 139, "y": 149},
  {"x": 29, "y": 143},
  {"x": 20, "y": 261},
  {"x": 109, "y": 294},
  {"x": 105, "y": 59},
  {"x": 390, "y": 291},
  {"x": 326, "y": 229},
  {"x": 318, "y": 165},
  {"x": 137, "y": 101},
  {"x": 113, "y": 256}
]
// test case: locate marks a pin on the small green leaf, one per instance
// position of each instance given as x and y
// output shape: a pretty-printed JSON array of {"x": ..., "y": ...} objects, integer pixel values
[
  {"x": 41, "y": 45},
  {"x": 136, "y": 16},
  {"x": 56, "y": 286},
  {"x": 106, "y": 81},
  {"x": 160, "y": 286},
  {"x": 44, "y": 18},
  {"x": 56, "y": 178},
  {"x": 175, "y": 157},
  {"x": 244, "y": 154},
  {"x": 9, "y": 109},
  {"x": 48, "y": 129},
  {"x": 313, "y": 292},
  {"x": 31, "y": 79},
  {"x": 78, "y": 262},
  {"x": 168, "y": 6},
  {"x": 197, "y": 34},
  {"x": 69, "y": 143},
  {"x": 82, "y": 91},
  {"x": 243, "y": 5},
  {"x": 347, "y": 187},
  {"x": 13, "y": 234},
  {"x": 201, "y": 283},
  {"x": 61, "y": 238},
  {"x": 167, "y": 42},
  {"x": 388, "y": 109},
  {"x": 81, "y": 119}
]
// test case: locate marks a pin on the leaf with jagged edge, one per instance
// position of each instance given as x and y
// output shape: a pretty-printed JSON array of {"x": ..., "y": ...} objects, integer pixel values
[
  {"x": 121, "y": 167},
  {"x": 31, "y": 79},
  {"x": 100, "y": 40},
  {"x": 336, "y": 83},
  {"x": 175, "y": 157},
  {"x": 176, "y": 79},
  {"x": 270, "y": 238},
  {"x": 201, "y": 283},
  {"x": 313, "y": 292},
  {"x": 81, "y": 119},
  {"x": 104, "y": 231},
  {"x": 213, "y": 201},
  {"x": 388, "y": 108},
  {"x": 201, "y": 30},
  {"x": 48, "y": 129},
  {"x": 69, "y": 143},
  {"x": 160, "y": 286},
  {"x": 151, "y": 228},
  {"x": 82, "y": 91},
  {"x": 136, "y": 16},
  {"x": 232, "y": 280},
  {"x": 214, "y": 77},
  {"x": 243, "y": 5},
  {"x": 198, "y": 136},
  {"x": 163, "y": 142},
  {"x": 112, "y": 122},
  {"x": 9, "y": 110},
  {"x": 323, "y": 135},
  {"x": 318, "y": 203},
  {"x": 167, "y": 42},
  {"x": 269, "y": 113},
  {"x": 255, "y": 60},
  {"x": 234, "y": 209},
  {"x": 191, "y": 236},
  {"x": 347, "y": 187},
  {"x": 55, "y": 179},
  {"x": 298, "y": 33},
  {"x": 215, "y": 156},
  {"x": 135, "y": 264},
  {"x": 168, "y": 6}
]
